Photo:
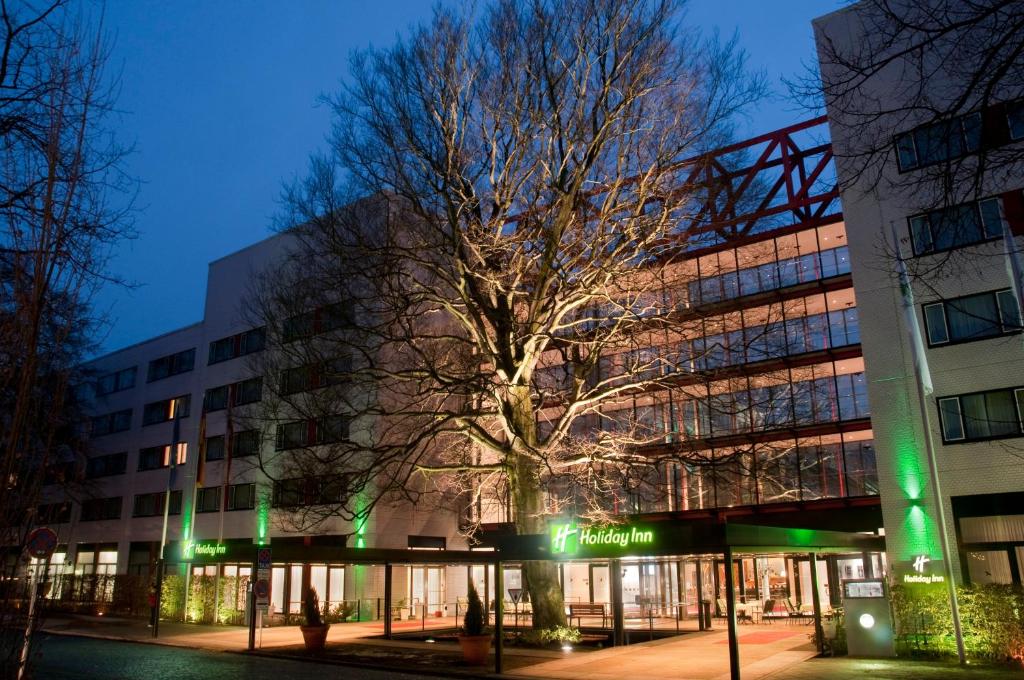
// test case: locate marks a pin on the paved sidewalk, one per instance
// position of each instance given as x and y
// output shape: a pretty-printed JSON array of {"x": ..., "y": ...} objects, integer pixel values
[{"x": 766, "y": 653}]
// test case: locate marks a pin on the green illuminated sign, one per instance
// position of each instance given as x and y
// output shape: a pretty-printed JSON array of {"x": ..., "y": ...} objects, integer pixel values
[
  {"x": 568, "y": 538},
  {"x": 194, "y": 549},
  {"x": 923, "y": 572}
]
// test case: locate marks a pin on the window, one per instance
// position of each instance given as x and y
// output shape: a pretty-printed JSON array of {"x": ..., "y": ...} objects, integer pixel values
[
  {"x": 294, "y": 380},
  {"x": 332, "y": 429},
  {"x": 982, "y": 415},
  {"x": 237, "y": 345},
  {"x": 237, "y": 394},
  {"x": 245, "y": 443},
  {"x": 770, "y": 276},
  {"x": 119, "y": 421},
  {"x": 217, "y": 398},
  {"x": 166, "y": 409},
  {"x": 320, "y": 320},
  {"x": 53, "y": 513},
  {"x": 173, "y": 364},
  {"x": 152, "y": 504},
  {"x": 292, "y": 435},
  {"x": 956, "y": 226},
  {"x": 208, "y": 499},
  {"x": 248, "y": 391},
  {"x": 241, "y": 497},
  {"x": 938, "y": 142},
  {"x": 329, "y": 430},
  {"x": 105, "y": 466},
  {"x": 972, "y": 317},
  {"x": 215, "y": 448},
  {"x": 116, "y": 381},
  {"x": 1015, "y": 119},
  {"x": 101, "y": 508},
  {"x": 156, "y": 457},
  {"x": 303, "y": 491}
]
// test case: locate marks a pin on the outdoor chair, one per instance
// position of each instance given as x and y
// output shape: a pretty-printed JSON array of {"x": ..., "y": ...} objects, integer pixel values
[{"x": 770, "y": 612}]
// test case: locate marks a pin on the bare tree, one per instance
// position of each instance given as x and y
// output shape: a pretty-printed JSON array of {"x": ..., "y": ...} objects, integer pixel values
[
  {"x": 502, "y": 199},
  {"x": 949, "y": 75},
  {"x": 59, "y": 171}
]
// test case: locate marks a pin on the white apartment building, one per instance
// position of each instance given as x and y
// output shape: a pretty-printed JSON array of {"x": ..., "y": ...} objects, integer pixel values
[
  {"x": 117, "y": 527},
  {"x": 969, "y": 319}
]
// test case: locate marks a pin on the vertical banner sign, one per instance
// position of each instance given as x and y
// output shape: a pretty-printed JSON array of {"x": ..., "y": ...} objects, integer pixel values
[{"x": 262, "y": 586}]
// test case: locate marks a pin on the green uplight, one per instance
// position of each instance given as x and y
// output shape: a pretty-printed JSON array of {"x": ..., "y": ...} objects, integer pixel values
[
  {"x": 361, "y": 518},
  {"x": 186, "y": 519},
  {"x": 262, "y": 517},
  {"x": 911, "y": 475}
]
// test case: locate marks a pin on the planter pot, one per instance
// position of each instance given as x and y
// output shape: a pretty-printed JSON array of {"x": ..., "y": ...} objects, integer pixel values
[
  {"x": 475, "y": 648},
  {"x": 315, "y": 636}
]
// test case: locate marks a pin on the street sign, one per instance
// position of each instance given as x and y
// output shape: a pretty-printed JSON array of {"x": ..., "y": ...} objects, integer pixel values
[
  {"x": 41, "y": 543},
  {"x": 261, "y": 587}
]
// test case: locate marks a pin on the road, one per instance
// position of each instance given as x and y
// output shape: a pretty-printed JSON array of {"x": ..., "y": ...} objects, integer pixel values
[{"x": 59, "y": 657}]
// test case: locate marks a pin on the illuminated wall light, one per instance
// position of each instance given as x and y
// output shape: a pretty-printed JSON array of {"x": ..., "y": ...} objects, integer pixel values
[
  {"x": 262, "y": 518},
  {"x": 866, "y": 621}
]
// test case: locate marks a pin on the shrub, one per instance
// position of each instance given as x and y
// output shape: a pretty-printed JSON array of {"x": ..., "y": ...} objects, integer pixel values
[
  {"x": 473, "y": 621},
  {"x": 311, "y": 608},
  {"x": 992, "y": 618}
]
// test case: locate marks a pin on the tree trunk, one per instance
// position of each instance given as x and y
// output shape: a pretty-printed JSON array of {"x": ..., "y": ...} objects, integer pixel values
[{"x": 540, "y": 576}]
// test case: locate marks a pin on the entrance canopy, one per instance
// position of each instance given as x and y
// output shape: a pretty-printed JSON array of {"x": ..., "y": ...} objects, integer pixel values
[
  {"x": 572, "y": 541},
  {"x": 565, "y": 541}
]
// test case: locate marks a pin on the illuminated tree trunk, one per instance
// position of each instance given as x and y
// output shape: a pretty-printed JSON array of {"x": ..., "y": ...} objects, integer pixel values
[{"x": 541, "y": 576}]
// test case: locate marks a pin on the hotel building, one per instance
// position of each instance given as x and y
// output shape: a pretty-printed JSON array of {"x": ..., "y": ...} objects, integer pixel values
[
  {"x": 765, "y": 419},
  {"x": 948, "y": 218}
]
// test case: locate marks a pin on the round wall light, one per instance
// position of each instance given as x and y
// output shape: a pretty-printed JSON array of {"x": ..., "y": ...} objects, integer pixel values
[{"x": 866, "y": 621}]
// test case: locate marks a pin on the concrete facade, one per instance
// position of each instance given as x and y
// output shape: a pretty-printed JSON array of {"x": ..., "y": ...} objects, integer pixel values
[{"x": 874, "y": 204}]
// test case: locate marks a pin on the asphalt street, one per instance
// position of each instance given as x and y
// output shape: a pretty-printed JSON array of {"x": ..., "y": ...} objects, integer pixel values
[{"x": 57, "y": 657}]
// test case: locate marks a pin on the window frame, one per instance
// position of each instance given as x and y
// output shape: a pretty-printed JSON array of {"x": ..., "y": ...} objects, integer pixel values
[
  {"x": 964, "y": 140},
  {"x": 175, "y": 365},
  {"x": 996, "y": 296},
  {"x": 1016, "y": 394},
  {"x": 927, "y": 217}
]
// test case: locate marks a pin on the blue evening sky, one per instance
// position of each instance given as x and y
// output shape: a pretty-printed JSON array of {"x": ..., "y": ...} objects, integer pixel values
[{"x": 219, "y": 100}]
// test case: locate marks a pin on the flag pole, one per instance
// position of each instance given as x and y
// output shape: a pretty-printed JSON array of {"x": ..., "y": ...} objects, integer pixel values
[
  {"x": 171, "y": 478},
  {"x": 923, "y": 379}
]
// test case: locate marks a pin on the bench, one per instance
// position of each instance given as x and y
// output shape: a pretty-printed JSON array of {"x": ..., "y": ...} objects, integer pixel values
[{"x": 577, "y": 610}]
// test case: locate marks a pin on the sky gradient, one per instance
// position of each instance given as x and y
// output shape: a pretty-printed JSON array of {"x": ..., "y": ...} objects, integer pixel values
[{"x": 219, "y": 100}]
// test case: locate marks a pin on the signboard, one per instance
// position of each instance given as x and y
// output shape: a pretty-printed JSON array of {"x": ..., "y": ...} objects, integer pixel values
[
  {"x": 571, "y": 539},
  {"x": 924, "y": 571},
  {"x": 41, "y": 543},
  {"x": 870, "y": 588},
  {"x": 261, "y": 587},
  {"x": 203, "y": 549}
]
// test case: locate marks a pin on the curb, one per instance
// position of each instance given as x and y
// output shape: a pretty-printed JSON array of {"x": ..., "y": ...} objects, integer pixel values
[
  {"x": 432, "y": 672},
  {"x": 326, "y": 660}
]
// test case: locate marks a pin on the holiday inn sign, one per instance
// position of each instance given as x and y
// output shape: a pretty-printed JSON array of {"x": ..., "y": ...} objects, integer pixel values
[{"x": 568, "y": 538}]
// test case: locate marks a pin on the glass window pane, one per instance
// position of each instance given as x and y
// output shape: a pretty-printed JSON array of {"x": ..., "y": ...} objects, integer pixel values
[
  {"x": 972, "y": 131},
  {"x": 905, "y": 152},
  {"x": 935, "y": 320},
  {"x": 952, "y": 427},
  {"x": 973, "y": 317},
  {"x": 1001, "y": 408},
  {"x": 989, "y": 566},
  {"x": 1009, "y": 315},
  {"x": 992, "y": 222},
  {"x": 1015, "y": 117},
  {"x": 921, "y": 234}
]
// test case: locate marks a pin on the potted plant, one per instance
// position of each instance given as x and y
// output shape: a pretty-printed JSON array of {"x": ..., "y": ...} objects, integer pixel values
[
  {"x": 474, "y": 641},
  {"x": 314, "y": 633}
]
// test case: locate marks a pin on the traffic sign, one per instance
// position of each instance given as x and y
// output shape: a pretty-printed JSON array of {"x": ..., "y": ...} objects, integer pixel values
[
  {"x": 262, "y": 585},
  {"x": 41, "y": 543}
]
